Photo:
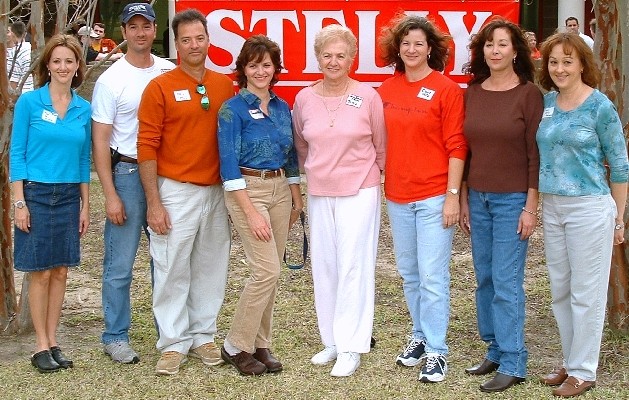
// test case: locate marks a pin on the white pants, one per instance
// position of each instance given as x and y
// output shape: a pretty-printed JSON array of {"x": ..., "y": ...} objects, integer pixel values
[
  {"x": 344, "y": 237},
  {"x": 190, "y": 265},
  {"x": 578, "y": 238}
]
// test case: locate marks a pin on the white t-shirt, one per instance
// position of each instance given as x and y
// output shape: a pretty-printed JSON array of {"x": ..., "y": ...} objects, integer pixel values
[
  {"x": 588, "y": 40},
  {"x": 116, "y": 99},
  {"x": 20, "y": 64}
]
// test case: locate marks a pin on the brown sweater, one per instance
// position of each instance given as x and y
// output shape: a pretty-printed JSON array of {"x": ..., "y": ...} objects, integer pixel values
[{"x": 500, "y": 128}]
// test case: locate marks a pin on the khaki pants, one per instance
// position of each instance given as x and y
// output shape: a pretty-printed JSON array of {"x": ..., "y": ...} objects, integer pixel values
[{"x": 253, "y": 319}]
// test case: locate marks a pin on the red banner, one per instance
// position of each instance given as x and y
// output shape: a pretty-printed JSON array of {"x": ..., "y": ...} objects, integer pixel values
[{"x": 293, "y": 25}]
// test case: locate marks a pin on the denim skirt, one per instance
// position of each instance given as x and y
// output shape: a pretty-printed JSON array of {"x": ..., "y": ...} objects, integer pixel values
[{"x": 53, "y": 238}]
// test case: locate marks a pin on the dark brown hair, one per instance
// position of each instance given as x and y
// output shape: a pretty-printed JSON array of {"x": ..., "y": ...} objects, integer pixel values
[
  {"x": 522, "y": 66},
  {"x": 572, "y": 44},
  {"x": 253, "y": 50},
  {"x": 187, "y": 17},
  {"x": 41, "y": 70},
  {"x": 392, "y": 35}
]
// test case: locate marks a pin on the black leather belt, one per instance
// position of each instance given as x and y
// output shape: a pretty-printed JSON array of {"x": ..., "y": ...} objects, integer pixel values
[{"x": 128, "y": 159}]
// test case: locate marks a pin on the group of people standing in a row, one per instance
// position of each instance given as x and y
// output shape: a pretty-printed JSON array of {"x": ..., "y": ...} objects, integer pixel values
[{"x": 476, "y": 158}]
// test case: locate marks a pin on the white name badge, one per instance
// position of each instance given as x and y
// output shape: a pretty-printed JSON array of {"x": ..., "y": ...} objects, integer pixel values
[
  {"x": 354, "y": 100},
  {"x": 548, "y": 112},
  {"x": 49, "y": 117},
  {"x": 425, "y": 93},
  {"x": 256, "y": 114},
  {"x": 182, "y": 95}
]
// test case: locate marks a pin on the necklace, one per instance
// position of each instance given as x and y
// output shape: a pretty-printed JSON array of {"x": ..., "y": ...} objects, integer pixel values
[{"x": 332, "y": 112}]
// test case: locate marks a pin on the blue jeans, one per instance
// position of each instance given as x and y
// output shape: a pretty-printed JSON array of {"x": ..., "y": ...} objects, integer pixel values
[
  {"x": 499, "y": 257},
  {"x": 423, "y": 248},
  {"x": 121, "y": 246}
]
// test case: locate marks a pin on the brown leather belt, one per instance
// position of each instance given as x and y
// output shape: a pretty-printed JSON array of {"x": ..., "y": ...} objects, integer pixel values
[
  {"x": 262, "y": 173},
  {"x": 128, "y": 159}
]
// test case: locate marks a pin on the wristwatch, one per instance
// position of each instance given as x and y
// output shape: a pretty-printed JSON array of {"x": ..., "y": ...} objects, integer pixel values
[
  {"x": 19, "y": 204},
  {"x": 618, "y": 227},
  {"x": 453, "y": 191}
]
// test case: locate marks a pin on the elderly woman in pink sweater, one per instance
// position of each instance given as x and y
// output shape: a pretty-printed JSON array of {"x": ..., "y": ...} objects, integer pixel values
[{"x": 340, "y": 141}]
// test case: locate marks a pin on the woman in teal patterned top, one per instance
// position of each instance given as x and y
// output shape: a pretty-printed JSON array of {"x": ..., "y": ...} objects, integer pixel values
[{"x": 580, "y": 133}]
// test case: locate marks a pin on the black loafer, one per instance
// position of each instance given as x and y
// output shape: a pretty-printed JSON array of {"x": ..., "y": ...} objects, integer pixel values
[
  {"x": 500, "y": 382},
  {"x": 44, "y": 362},
  {"x": 60, "y": 358},
  {"x": 484, "y": 368}
]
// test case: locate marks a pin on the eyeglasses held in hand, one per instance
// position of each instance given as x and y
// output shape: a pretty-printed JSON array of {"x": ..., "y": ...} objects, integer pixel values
[{"x": 205, "y": 101}]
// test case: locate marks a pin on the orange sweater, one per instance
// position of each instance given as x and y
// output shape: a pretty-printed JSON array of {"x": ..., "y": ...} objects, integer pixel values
[
  {"x": 424, "y": 130},
  {"x": 176, "y": 131}
]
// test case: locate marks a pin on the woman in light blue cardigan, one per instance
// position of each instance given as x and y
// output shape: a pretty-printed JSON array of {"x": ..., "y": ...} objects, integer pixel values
[
  {"x": 579, "y": 135},
  {"x": 50, "y": 172}
]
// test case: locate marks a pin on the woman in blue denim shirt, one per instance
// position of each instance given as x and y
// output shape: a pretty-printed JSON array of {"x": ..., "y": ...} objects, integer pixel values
[
  {"x": 50, "y": 174},
  {"x": 261, "y": 181},
  {"x": 579, "y": 133}
]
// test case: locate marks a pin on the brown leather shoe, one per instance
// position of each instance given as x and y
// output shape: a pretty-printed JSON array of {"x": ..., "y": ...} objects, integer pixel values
[
  {"x": 500, "y": 382},
  {"x": 571, "y": 387},
  {"x": 555, "y": 378},
  {"x": 265, "y": 357},
  {"x": 244, "y": 362},
  {"x": 484, "y": 368}
]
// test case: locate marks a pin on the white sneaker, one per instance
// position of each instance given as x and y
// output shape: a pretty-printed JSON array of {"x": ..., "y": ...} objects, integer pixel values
[
  {"x": 324, "y": 356},
  {"x": 346, "y": 364}
]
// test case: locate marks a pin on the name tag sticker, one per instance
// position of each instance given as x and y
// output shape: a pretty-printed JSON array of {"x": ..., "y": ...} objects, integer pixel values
[
  {"x": 354, "y": 100},
  {"x": 256, "y": 114},
  {"x": 182, "y": 95},
  {"x": 49, "y": 117},
  {"x": 425, "y": 93},
  {"x": 548, "y": 112}
]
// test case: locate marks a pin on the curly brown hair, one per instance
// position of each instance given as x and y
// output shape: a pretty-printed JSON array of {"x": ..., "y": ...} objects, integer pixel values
[
  {"x": 399, "y": 27},
  {"x": 572, "y": 44},
  {"x": 253, "y": 50},
  {"x": 522, "y": 66}
]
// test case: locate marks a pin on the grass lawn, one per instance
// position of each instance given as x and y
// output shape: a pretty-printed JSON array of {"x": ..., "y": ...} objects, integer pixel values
[{"x": 296, "y": 339}]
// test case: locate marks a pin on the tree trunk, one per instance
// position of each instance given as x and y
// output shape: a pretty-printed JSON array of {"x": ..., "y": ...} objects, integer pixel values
[
  {"x": 611, "y": 46},
  {"x": 8, "y": 306}
]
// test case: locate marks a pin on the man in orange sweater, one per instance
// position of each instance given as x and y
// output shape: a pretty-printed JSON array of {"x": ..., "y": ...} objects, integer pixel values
[{"x": 179, "y": 168}]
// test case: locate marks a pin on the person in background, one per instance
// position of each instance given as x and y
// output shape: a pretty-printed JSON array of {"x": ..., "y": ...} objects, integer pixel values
[
  {"x": 423, "y": 192},
  {"x": 499, "y": 197},
  {"x": 572, "y": 26},
  {"x": 262, "y": 194},
  {"x": 532, "y": 41},
  {"x": 115, "y": 103},
  {"x": 102, "y": 44},
  {"x": 580, "y": 137},
  {"x": 340, "y": 139},
  {"x": 87, "y": 36},
  {"x": 51, "y": 127},
  {"x": 592, "y": 25},
  {"x": 188, "y": 222},
  {"x": 18, "y": 59}
]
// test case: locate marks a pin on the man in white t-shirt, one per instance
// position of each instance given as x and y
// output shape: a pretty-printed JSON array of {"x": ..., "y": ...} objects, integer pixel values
[
  {"x": 115, "y": 102},
  {"x": 572, "y": 25},
  {"x": 18, "y": 58}
]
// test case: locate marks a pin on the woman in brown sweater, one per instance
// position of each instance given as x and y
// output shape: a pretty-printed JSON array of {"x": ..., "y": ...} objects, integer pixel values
[{"x": 499, "y": 196}]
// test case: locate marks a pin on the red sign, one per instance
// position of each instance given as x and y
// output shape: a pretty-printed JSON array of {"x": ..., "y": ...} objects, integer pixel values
[{"x": 293, "y": 25}]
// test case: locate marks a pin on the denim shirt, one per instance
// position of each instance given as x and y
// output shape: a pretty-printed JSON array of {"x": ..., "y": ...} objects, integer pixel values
[
  {"x": 249, "y": 138},
  {"x": 575, "y": 145}
]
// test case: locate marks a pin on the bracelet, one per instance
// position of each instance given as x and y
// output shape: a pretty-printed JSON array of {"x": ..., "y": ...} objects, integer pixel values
[{"x": 530, "y": 212}]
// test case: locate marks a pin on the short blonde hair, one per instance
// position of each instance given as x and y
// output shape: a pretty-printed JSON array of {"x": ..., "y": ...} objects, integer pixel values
[{"x": 332, "y": 33}]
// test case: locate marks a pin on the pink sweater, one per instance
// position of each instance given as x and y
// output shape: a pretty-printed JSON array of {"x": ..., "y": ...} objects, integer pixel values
[{"x": 342, "y": 159}]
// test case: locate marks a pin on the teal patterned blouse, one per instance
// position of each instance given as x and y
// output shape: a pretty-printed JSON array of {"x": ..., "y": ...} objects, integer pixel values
[{"x": 575, "y": 145}]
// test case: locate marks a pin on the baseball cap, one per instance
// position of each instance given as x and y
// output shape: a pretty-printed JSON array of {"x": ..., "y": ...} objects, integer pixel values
[
  {"x": 85, "y": 31},
  {"x": 132, "y": 9}
]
